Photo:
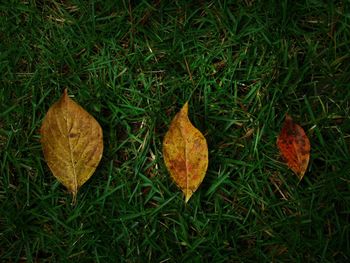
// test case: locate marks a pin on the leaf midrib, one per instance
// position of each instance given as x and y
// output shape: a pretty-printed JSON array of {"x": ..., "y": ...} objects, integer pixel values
[{"x": 75, "y": 182}]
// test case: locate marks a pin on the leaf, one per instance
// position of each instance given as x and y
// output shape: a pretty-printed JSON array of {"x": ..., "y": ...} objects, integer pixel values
[
  {"x": 294, "y": 146},
  {"x": 185, "y": 153},
  {"x": 72, "y": 143}
]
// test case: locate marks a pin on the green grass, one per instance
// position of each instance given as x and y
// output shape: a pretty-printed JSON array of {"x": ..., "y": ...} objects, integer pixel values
[{"x": 242, "y": 66}]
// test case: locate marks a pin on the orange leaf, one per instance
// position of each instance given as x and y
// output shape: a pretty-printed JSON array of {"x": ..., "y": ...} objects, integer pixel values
[
  {"x": 294, "y": 146},
  {"x": 185, "y": 153},
  {"x": 72, "y": 143}
]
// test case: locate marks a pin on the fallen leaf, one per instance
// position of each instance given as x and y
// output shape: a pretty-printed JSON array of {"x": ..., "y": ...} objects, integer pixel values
[
  {"x": 185, "y": 153},
  {"x": 294, "y": 146},
  {"x": 72, "y": 143}
]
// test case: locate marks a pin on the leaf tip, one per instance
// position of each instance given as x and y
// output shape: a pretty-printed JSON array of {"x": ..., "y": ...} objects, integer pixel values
[
  {"x": 188, "y": 195},
  {"x": 64, "y": 96},
  {"x": 74, "y": 199},
  {"x": 288, "y": 117},
  {"x": 185, "y": 108}
]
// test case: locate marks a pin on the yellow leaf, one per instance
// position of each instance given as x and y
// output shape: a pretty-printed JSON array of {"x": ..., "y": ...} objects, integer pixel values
[
  {"x": 72, "y": 143},
  {"x": 185, "y": 153}
]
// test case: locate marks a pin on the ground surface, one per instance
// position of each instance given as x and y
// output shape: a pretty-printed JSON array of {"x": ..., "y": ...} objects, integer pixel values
[{"x": 133, "y": 66}]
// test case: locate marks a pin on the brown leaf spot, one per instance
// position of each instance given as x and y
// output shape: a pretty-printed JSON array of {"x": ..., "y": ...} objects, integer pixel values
[{"x": 72, "y": 135}]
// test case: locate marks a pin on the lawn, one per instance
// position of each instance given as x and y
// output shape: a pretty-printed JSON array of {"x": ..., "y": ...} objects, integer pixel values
[{"x": 242, "y": 65}]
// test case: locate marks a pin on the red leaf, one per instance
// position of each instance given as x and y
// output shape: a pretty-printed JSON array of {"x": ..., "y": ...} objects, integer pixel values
[{"x": 294, "y": 146}]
